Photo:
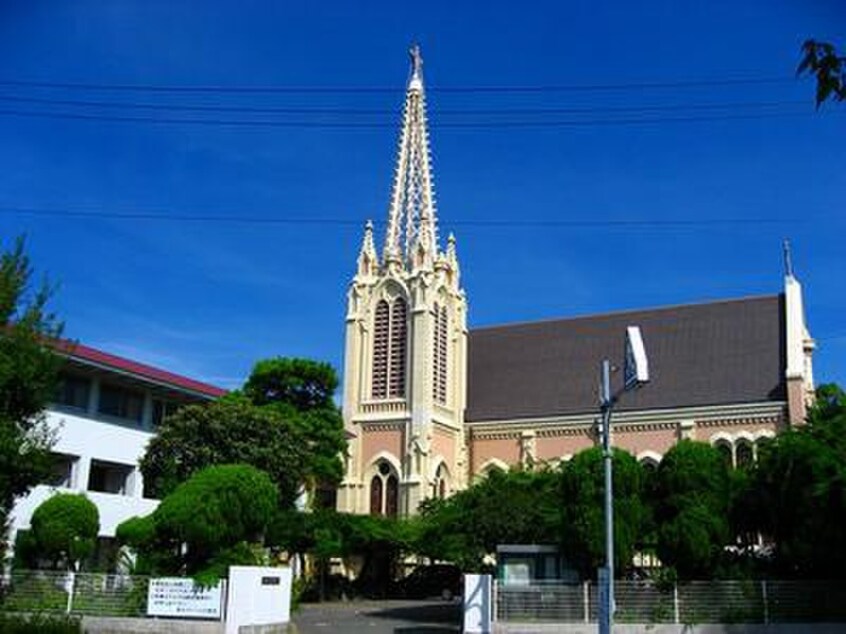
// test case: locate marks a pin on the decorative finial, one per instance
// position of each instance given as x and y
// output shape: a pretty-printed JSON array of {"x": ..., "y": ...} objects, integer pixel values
[
  {"x": 416, "y": 61},
  {"x": 788, "y": 263}
]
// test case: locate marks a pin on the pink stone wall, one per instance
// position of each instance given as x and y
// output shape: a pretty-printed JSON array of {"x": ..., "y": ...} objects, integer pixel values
[
  {"x": 376, "y": 441},
  {"x": 550, "y": 448},
  {"x": 505, "y": 449},
  {"x": 443, "y": 444},
  {"x": 796, "y": 401},
  {"x": 658, "y": 440}
]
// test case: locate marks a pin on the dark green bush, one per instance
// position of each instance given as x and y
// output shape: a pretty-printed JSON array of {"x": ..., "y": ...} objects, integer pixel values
[{"x": 39, "y": 624}]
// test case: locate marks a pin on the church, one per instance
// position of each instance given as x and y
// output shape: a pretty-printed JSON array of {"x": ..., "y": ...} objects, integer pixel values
[{"x": 430, "y": 405}]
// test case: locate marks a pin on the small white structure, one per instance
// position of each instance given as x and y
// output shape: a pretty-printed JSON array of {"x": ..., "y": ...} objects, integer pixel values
[
  {"x": 478, "y": 610},
  {"x": 105, "y": 412},
  {"x": 258, "y": 596}
]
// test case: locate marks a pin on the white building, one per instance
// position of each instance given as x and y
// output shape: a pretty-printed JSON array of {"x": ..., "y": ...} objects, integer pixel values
[{"x": 105, "y": 411}]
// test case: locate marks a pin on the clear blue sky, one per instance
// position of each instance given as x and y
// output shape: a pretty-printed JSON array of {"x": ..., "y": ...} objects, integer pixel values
[{"x": 209, "y": 298}]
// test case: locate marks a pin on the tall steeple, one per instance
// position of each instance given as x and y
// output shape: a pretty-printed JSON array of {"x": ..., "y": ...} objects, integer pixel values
[
  {"x": 405, "y": 362},
  {"x": 412, "y": 234}
]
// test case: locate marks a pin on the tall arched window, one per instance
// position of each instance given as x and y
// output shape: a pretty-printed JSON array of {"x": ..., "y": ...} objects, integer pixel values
[
  {"x": 744, "y": 455},
  {"x": 440, "y": 487},
  {"x": 384, "y": 491},
  {"x": 399, "y": 331},
  {"x": 725, "y": 451},
  {"x": 381, "y": 330},
  {"x": 392, "y": 496},
  {"x": 376, "y": 495},
  {"x": 389, "y": 349},
  {"x": 439, "y": 355}
]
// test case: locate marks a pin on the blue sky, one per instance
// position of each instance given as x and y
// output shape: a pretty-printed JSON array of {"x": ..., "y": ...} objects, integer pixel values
[{"x": 209, "y": 298}]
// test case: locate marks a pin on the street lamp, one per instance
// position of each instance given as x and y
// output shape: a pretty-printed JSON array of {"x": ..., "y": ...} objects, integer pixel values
[{"x": 635, "y": 374}]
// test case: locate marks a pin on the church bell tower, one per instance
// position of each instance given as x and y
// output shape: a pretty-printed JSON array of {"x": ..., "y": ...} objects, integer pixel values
[{"x": 406, "y": 344}]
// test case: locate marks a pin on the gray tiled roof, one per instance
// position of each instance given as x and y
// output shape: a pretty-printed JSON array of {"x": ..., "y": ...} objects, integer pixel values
[{"x": 699, "y": 354}]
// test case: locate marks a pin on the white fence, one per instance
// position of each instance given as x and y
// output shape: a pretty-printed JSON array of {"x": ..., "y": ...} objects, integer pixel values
[
  {"x": 692, "y": 602},
  {"x": 89, "y": 594}
]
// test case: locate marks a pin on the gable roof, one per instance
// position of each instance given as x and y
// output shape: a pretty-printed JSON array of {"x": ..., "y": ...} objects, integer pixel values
[
  {"x": 147, "y": 373},
  {"x": 713, "y": 353}
]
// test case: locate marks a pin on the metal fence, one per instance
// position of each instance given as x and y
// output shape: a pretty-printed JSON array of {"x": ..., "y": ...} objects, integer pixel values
[
  {"x": 688, "y": 603},
  {"x": 93, "y": 594}
]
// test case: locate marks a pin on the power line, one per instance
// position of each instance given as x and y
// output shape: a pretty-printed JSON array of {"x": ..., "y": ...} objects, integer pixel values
[
  {"x": 310, "y": 220},
  {"x": 351, "y": 125},
  {"x": 180, "y": 107},
  {"x": 303, "y": 89}
]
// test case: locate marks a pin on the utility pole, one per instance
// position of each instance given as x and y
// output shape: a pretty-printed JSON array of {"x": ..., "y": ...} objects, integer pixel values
[
  {"x": 606, "y": 611},
  {"x": 636, "y": 373}
]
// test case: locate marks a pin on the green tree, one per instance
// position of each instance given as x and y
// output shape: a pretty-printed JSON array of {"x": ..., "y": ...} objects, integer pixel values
[
  {"x": 691, "y": 507},
  {"x": 215, "y": 519},
  {"x": 64, "y": 529},
  {"x": 518, "y": 506},
  {"x": 821, "y": 60},
  {"x": 228, "y": 431},
  {"x": 302, "y": 392},
  {"x": 28, "y": 377},
  {"x": 581, "y": 497},
  {"x": 800, "y": 490}
]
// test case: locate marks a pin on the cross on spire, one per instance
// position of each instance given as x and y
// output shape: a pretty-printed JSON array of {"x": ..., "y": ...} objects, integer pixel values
[{"x": 412, "y": 227}]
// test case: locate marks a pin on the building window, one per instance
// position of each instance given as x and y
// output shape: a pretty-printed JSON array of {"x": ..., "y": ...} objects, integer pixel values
[
  {"x": 73, "y": 392},
  {"x": 439, "y": 355},
  {"x": 396, "y": 387},
  {"x": 389, "y": 349},
  {"x": 384, "y": 491},
  {"x": 440, "y": 486},
  {"x": 121, "y": 403},
  {"x": 376, "y": 495},
  {"x": 162, "y": 410},
  {"x": 392, "y": 496},
  {"x": 744, "y": 455},
  {"x": 725, "y": 452},
  {"x": 110, "y": 477},
  {"x": 381, "y": 328},
  {"x": 62, "y": 470}
]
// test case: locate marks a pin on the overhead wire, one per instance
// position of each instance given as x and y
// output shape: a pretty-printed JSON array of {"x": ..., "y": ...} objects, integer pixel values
[
  {"x": 312, "y": 220},
  {"x": 340, "y": 89}
]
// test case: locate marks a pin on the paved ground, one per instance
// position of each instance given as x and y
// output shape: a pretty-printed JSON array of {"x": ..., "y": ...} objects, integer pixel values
[{"x": 380, "y": 617}]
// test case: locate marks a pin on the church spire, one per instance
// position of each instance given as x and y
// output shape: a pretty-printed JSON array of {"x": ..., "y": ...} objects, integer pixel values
[
  {"x": 412, "y": 226},
  {"x": 367, "y": 259}
]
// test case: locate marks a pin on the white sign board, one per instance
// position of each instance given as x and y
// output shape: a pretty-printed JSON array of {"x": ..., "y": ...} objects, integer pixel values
[
  {"x": 181, "y": 597},
  {"x": 477, "y": 604},
  {"x": 637, "y": 366}
]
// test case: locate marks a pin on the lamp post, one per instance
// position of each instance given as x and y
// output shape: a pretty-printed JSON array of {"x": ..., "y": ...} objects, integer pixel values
[{"x": 636, "y": 373}]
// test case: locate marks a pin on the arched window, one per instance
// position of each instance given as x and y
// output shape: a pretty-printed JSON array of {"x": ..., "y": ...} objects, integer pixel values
[
  {"x": 725, "y": 451},
  {"x": 440, "y": 487},
  {"x": 384, "y": 491},
  {"x": 744, "y": 455},
  {"x": 439, "y": 355},
  {"x": 376, "y": 495},
  {"x": 381, "y": 329},
  {"x": 392, "y": 496},
  {"x": 396, "y": 386},
  {"x": 389, "y": 349}
]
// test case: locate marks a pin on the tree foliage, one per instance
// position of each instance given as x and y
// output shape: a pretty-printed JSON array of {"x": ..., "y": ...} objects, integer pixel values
[
  {"x": 215, "y": 519},
  {"x": 28, "y": 376},
  {"x": 691, "y": 507},
  {"x": 581, "y": 498},
  {"x": 519, "y": 506},
  {"x": 283, "y": 422},
  {"x": 800, "y": 488},
  {"x": 302, "y": 391},
  {"x": 229, "y": 431},
  {"x": 64, "y": 529},
  {"x": 821, "y": 60}
]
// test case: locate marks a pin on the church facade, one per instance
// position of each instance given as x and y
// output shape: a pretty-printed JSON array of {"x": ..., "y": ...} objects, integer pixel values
[{"x": 430, "y": 405}]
